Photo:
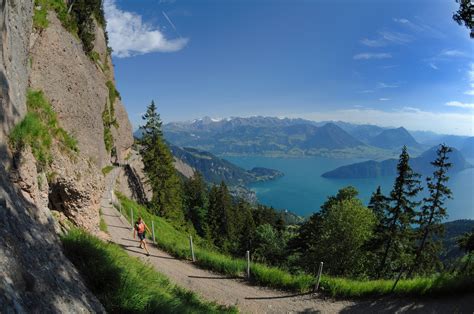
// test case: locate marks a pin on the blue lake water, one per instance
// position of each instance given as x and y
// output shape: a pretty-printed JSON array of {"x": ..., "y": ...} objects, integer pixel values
[{"x": 303, "y": 190}]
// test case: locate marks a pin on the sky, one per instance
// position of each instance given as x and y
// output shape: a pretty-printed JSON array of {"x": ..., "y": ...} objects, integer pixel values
[{"x": 385, "y": 62}]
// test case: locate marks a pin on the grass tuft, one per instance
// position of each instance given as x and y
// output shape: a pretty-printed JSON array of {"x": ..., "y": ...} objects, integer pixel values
[
  {"x": 124, "y": 284},
  {"x": 107, "y": 169},
  {"x": 39, "y": 128}
]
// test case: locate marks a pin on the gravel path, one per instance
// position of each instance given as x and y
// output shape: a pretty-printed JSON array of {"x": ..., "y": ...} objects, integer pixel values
[{"x": 254, "y": 299}]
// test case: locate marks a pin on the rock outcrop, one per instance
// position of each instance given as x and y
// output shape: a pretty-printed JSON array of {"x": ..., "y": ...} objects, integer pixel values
[
  {"x": 35, "y": 276},
  {"x": 132, "y": 181}
]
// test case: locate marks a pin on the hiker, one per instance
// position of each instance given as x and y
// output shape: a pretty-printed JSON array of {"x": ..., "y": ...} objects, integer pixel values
[{"x": 141, "y": 228}]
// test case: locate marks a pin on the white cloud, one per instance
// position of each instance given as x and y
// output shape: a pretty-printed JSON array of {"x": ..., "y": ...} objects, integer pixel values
[
  {"x": 460, "y": 104},
  {"x": 452, "y": 53},
  {"x": 368, "y": 55},
  {"x": 372, "y": 42},
  {"x": 396, "y": 37},
  {"x": 433, "y": 66},
  {"x": 384, "y": 99},
  {"x": 419, "y": 27},
  {"x": 409, "y": 117},
  {"x": 385, "y": 85},
  {"x": 470, "y": 75},
  {"x": 130, "y": 36},
  {"x": 366, "y": 91}
]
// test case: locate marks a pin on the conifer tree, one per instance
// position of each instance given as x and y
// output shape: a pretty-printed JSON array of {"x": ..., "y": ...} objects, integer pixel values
[
  {"x": 158, "y": 166},
  {"x": 378, "y": 204},
  {"x": 432, "y": 213},
  {"x": 220, "y": 216},
  {"x": 196, "y": 202},
  {"x": 247, "y": 227},
  {"x": 398, "y": 236}
]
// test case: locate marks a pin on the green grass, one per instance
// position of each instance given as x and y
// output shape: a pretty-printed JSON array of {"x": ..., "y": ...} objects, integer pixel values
[
  {"x": 177, "y": 244},
  {"x": 39, "y": 128},
  {"x": 102, "y": 223},
  {"x": 113, "y": 93},
  {"x": 124, "y": 284},
  {"x": 107, "y": 169},
  {"x": 40, "y": 17}
]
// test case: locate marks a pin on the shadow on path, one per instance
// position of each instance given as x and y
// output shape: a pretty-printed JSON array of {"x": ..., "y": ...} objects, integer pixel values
[
  {"x": 114, "y": 226},
  {"x": 212, "y": 277},
  {"x": 280, "y": 297}
]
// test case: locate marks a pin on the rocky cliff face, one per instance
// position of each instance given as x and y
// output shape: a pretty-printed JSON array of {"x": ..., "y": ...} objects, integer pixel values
[
  {"x": 15, "y": 26},
  {"x": 77, "y": 88},
  {"x": 35, "y": 276}
]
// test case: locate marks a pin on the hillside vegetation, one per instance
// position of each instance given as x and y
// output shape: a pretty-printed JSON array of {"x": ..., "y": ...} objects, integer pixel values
[{"x": 176, "y": 243}]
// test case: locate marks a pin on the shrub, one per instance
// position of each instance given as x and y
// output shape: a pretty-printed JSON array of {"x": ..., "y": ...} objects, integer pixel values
[{"x": 124, "y": 284}]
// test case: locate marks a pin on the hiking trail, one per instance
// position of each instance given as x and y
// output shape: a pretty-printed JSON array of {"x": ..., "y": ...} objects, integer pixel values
[{"x": 254, "y": 299}]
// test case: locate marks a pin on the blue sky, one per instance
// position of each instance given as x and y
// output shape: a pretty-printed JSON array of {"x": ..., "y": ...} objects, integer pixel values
[{"x": 391, "y": 63}]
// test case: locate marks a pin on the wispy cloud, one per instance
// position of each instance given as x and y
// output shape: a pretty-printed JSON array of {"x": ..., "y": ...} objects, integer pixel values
[
  {"x": 130, "y": 36},
  {"x": 452, "y": 53},
  {"x": 460, "y": 104},
  {"x": 368, "y": 56},
  {"x": 396, "y": 37},
  {"x": 373, "y": 42},
  {"x": 385, "y": 85},
  {"x": 470, "y": 77},
  {"x": 384, "y": 99},
  {"x": 366, "y": 91},
  {"x": 419, "y": 27},
  {"x": 433, "y": 66}
]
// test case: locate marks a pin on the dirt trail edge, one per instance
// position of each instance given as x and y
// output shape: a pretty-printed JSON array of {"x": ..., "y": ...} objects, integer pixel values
[{"x": 254, "y": 299}]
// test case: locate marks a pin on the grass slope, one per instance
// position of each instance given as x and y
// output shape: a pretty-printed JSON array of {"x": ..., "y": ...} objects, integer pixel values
[
  {"x": 177, "y": 244},
  {"x": 124, "y": 284}
]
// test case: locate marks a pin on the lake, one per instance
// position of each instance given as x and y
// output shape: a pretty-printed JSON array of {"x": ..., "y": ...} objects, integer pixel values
[{"x": 302, "y": 190}]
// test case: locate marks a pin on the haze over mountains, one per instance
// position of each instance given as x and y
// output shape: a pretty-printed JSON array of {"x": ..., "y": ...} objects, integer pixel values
[{"x": 272, "y": 136}]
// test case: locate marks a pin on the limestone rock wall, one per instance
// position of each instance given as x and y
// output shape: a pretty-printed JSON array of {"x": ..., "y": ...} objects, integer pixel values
[
  {"x": 35, "y": 276},
  {"x": 15, "y": 28},
  {"x": 77, "y": 88}
]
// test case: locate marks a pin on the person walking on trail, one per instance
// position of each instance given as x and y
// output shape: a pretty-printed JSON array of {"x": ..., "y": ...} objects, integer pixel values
[{"x": 140, "y": 229}]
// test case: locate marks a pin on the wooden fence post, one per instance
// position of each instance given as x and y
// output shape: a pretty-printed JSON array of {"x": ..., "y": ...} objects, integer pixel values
[
  {"x": 318, "y": 279},
  {"x": 131, "y": 217},
  {"x": 153, "y": 230},
  {"x": 192, "y": 247},
  {"x": 248, "y": 264}
]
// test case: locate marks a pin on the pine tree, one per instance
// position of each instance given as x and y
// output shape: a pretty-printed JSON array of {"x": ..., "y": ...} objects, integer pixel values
[
  {"x": 221, "y": 222},
  {"x": 196, "y": 202},
  {"x": 432, "y": 213},
  {"x": 158, "y": 166},
  {"x": 398, "y": 238},
  {"x": 378, "y": 204},
  {"x": 246, "y": 232}
]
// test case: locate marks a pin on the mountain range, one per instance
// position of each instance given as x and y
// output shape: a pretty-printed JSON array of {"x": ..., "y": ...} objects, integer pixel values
[
  {"x": 271, "y": 136},
  {"x": 374, "y": 169},
  {"x": 289, "y": 137}
]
